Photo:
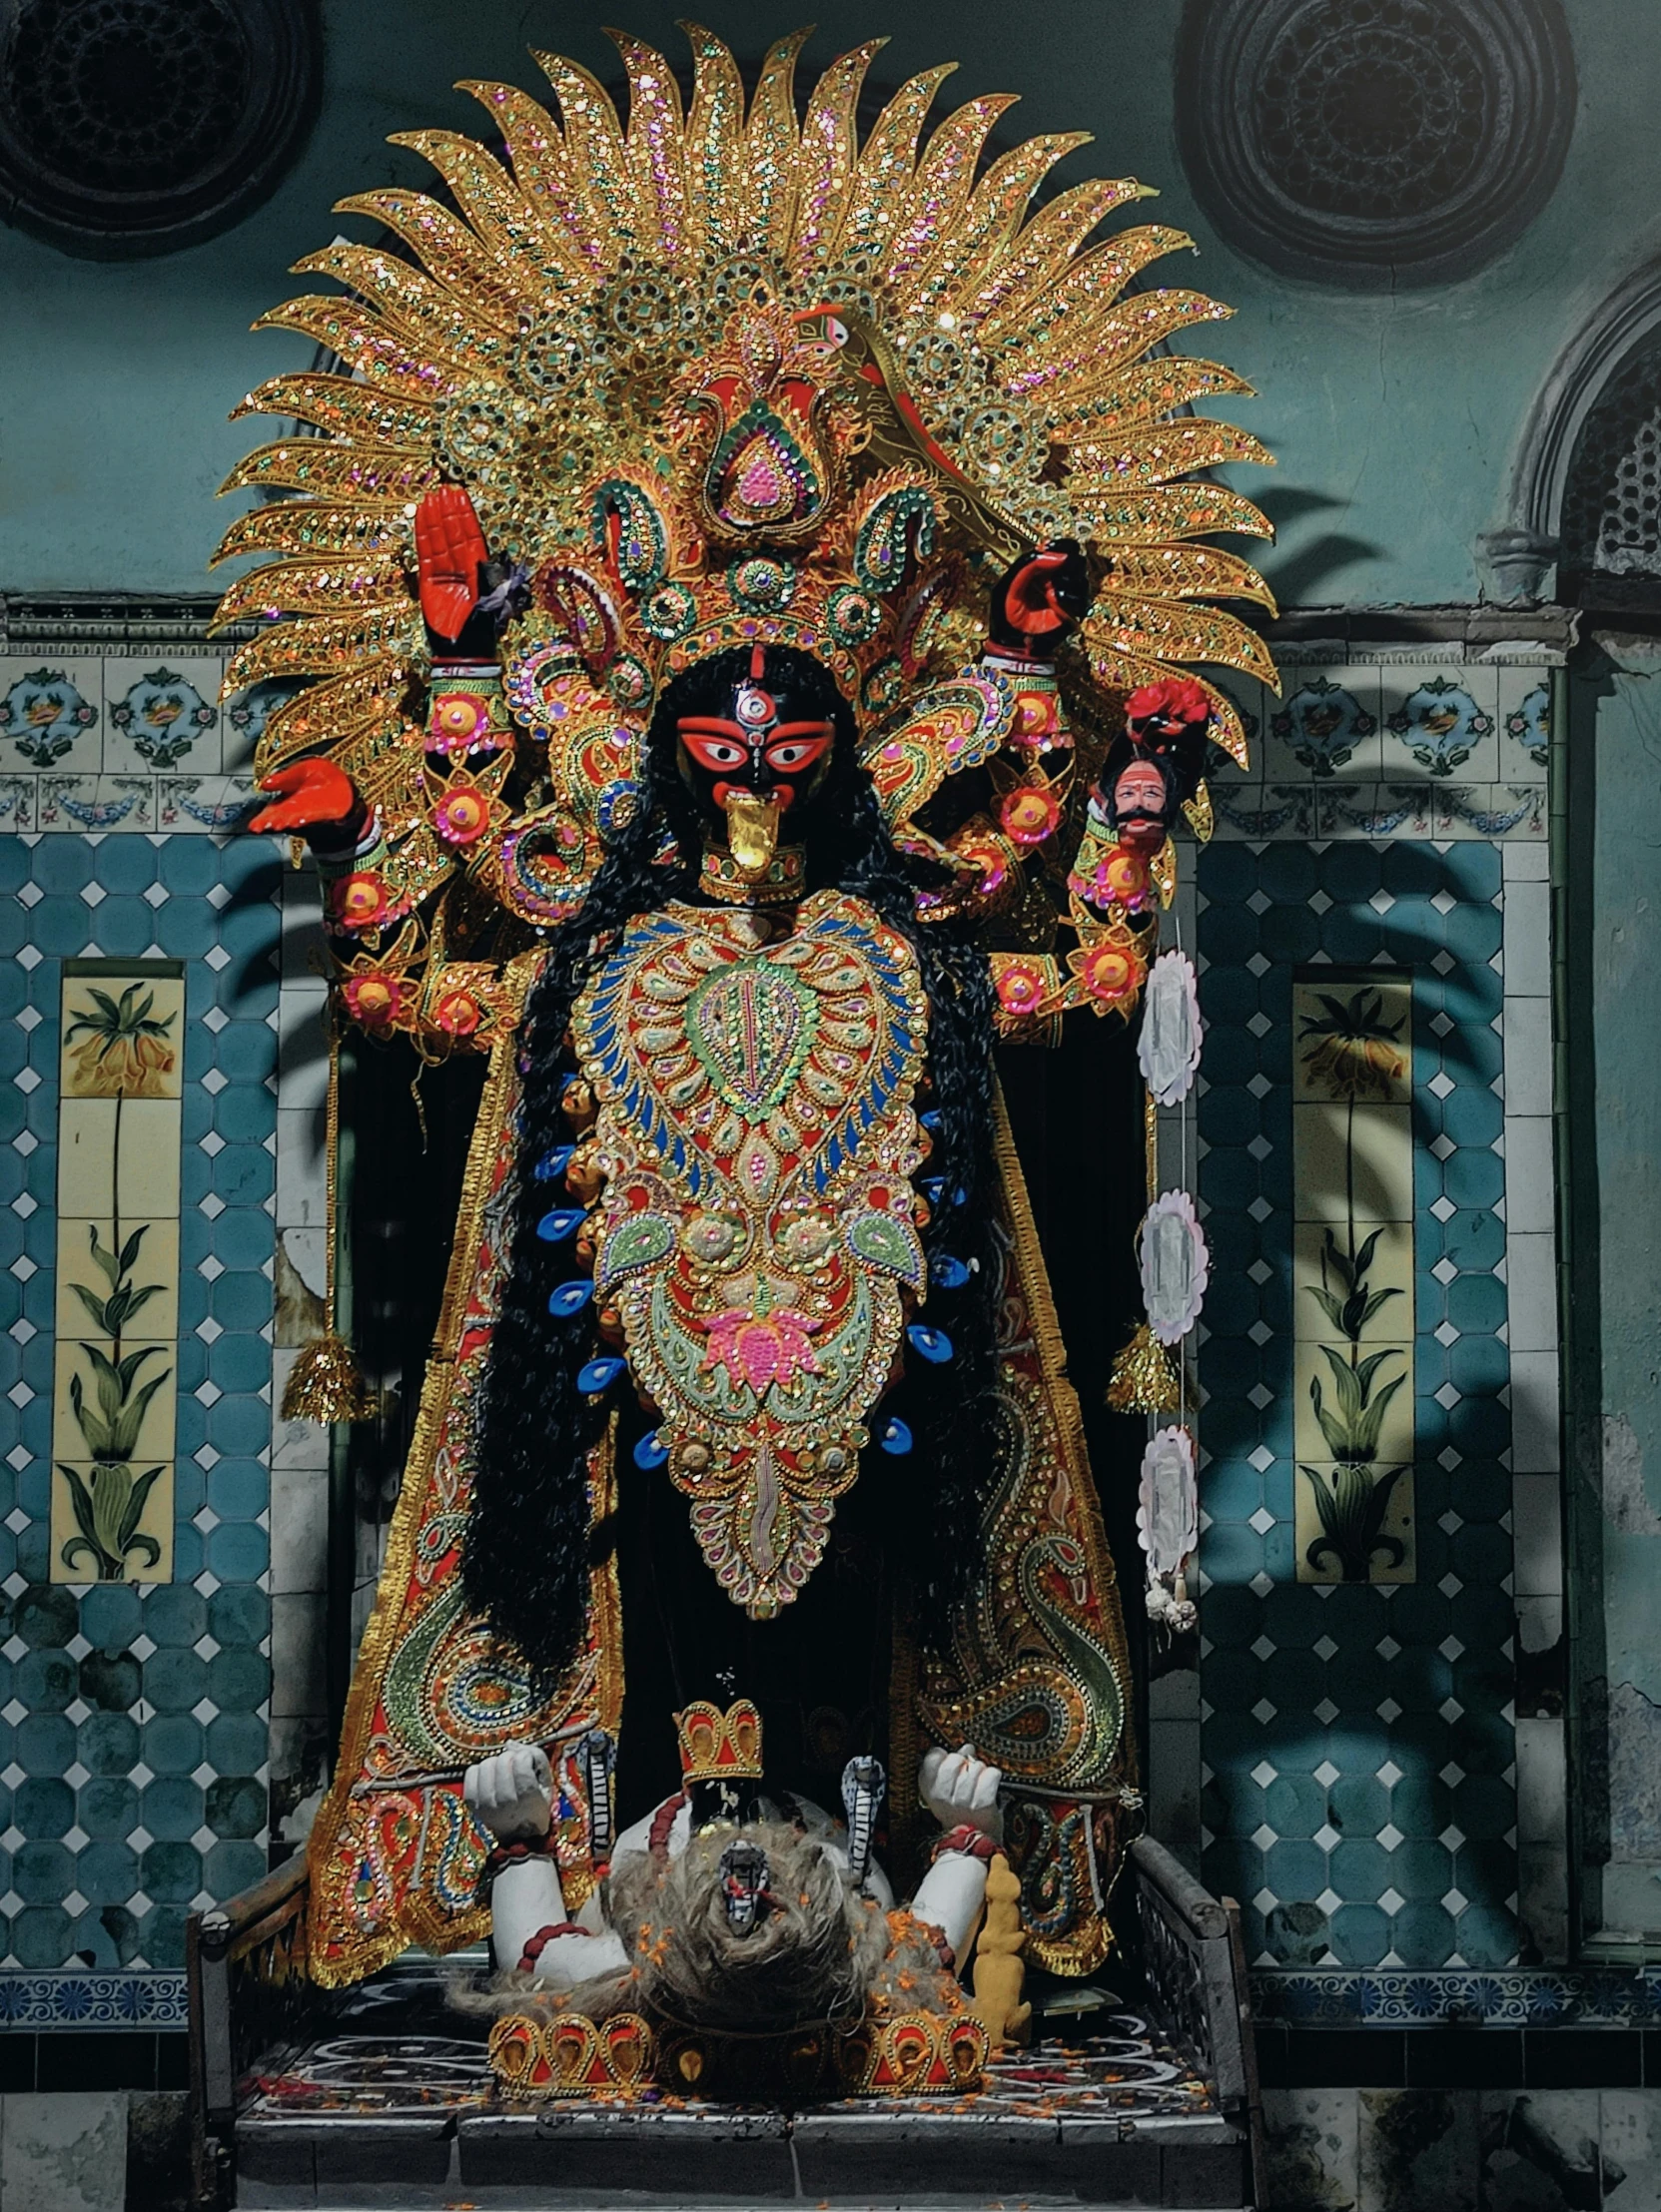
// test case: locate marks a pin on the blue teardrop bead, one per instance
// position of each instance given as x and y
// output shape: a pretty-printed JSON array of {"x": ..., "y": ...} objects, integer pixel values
[
  {"x": 553, "y": 1164},
  {"x": 948, "y": 1272},
  {"x": 570, "y": 1297},
  {"x": 931, "y": 1119},
  {"x": 934, "y": 1344},
  {"x": 563, "y": 1221},
  {"x": 650, "y": 1452},
  {"x": 895, "y": 1438},
  {"x": 598, "y": 1375}
]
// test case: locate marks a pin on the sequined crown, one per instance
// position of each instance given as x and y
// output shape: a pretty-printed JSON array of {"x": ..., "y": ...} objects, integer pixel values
[{"x": 717, "y": 1746}]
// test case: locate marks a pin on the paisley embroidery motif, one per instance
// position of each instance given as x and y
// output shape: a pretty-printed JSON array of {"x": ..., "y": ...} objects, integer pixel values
[{"x": 755, "y": 1093}]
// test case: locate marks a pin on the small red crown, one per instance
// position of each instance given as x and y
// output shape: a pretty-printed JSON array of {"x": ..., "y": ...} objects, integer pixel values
[{"x": 717, "y": 1746}]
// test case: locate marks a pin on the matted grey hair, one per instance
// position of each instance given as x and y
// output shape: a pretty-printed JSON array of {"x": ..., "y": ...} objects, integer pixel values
[{"x": 819, "y": 1951}]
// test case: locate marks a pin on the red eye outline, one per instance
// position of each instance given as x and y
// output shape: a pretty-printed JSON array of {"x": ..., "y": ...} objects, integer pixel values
[
  {"x": 714, "y": 742},
  {"x": 794, "y": 746}
]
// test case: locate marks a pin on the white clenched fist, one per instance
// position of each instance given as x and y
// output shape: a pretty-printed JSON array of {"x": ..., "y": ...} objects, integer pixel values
[
  {"x": 960, "y": 1790},
  {"x": 511, "y": 1793}
]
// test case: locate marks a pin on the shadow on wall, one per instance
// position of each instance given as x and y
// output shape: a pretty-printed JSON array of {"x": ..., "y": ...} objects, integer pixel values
[
  {"x": 1361, "y": 1736},
  {"x": 1307, "y": 574}
]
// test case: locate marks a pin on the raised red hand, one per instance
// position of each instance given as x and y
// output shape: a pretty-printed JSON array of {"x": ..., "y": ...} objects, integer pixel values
[
  {"x": 449, "y": 549},
  {"x": 313, "y": 794},
  {"x": 1041, "y": 596}
]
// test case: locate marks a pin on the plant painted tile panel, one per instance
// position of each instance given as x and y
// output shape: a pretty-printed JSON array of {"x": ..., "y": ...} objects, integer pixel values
[
  {"x": 1353, "y": 1179},
  {"x": 120, "y": 1090},
  {"x": 133, "y": 1770},
  {"x": 1357, "y": 1741}
]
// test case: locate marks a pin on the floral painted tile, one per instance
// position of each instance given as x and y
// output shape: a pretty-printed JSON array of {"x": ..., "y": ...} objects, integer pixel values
[
  {"x": 1367, "y": 810},
  {"x": 1490, "y": 811},
  {"x": 1264, "y": 811},
  {"x": 61, "y": 801},
  {"x": 50, "y": 714},
  {"x": 221, "y": 803},
  {"x": 161, "y": 714},
  {"x": 245, "y": 713},
  {"x": 1524, "y": 721},
  {"x": 17, "y": 802},
  {"x": 1326, "y": 727},
  {"x": 1251, "y": 702},
  {"x": 1444, "y": 724}
]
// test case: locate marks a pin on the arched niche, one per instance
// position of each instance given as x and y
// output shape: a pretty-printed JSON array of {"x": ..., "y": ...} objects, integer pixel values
[{"x": 1597, "y": 379}]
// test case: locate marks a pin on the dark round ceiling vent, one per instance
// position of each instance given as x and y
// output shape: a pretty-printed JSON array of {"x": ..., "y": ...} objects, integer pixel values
[
  {"x": 1372, "y": 143},
  {"x": 132, "y": 127}
]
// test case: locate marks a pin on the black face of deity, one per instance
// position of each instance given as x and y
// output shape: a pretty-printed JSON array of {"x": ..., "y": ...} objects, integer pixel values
[{"x": 761, "y": 748}]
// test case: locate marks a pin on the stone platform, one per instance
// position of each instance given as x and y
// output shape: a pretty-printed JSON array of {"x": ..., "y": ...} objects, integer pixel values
[{"x": 1117, "y": 2117}]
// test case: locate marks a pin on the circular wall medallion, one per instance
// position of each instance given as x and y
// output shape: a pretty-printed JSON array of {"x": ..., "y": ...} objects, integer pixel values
[
  {"x": 132, "y": 127},
  {"x": 1374, "y": 142}
]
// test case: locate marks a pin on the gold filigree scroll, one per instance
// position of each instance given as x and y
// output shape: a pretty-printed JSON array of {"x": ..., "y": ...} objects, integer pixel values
[
  {"x": 1039, "y": 1675},
  {"x": 395, "y": 1855}
]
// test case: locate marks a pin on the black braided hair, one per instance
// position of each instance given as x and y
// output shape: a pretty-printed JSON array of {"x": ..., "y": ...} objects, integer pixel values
[{"x": 526, "y": 1553}]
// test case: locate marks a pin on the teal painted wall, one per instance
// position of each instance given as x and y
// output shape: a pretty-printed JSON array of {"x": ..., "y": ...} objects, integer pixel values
[
  {"x": 1394, "y": 418},
  {"x": 1618, "y": 1143}
]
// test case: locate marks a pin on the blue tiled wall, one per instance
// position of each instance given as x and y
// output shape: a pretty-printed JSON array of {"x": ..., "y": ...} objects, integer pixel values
[
  {"x": 1360, "y": 1791},
  {"x": 133, "y": 1732}
]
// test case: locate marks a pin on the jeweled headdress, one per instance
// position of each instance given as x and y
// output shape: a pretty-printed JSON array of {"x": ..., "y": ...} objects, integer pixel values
[{"x": 730, "y": 374}]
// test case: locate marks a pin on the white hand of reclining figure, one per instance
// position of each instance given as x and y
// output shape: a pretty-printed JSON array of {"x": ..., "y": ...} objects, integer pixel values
[
  {"x": 960, "y": 1790},
  {"x": 511, "y": 1793}
]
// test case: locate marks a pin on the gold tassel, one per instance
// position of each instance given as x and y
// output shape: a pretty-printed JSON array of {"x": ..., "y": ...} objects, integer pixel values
[
  {"x": 1143, "y": 1378},
  {"x": 325, "y": 1383}
]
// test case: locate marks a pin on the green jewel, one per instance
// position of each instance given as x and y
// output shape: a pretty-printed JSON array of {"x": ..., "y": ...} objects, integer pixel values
[
  {"x": 761, "y": 586},
  {"x": 669, "y": 612},
  {"x": 854, "y": 615}
]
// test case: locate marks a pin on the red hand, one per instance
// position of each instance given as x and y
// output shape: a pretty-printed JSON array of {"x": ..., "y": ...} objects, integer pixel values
[
  {"x": 315, "y": 793},
  {"x": 449, "y": 545},
  {"x": 1030, "y": 601}
]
